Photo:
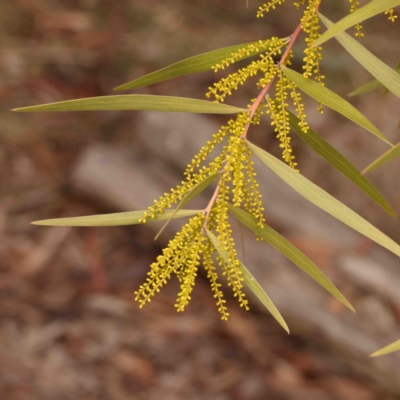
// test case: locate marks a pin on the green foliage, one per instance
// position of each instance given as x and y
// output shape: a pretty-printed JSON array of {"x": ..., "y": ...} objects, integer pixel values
[
  {"x": 384, "y": 159},
  {"x": 118, "y": 219},
  {"x": 325, "y": 201},
  {"x": 373, "y": 8},
  {"x": 383, "y": 73},
  {"x": 133, "y": 102},
  {"x": 333, "y": 157},
  {"x": 372, "y": 85},
  {"x": 333, "y": 101},
  {"x": 191, "y": 194},
  {"x": 200, "y": 63},
  {"x": 250, "y": 282},
  {"x": 288, "y": 250},
  {"x": 206, "y": 239}
]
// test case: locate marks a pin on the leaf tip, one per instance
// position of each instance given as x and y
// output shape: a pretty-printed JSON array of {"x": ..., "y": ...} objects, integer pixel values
[
  {"x": 365, "y": 170},
  {"x": 23, "y": 109},
  {"x": 119, "y": 88},
  {"x": 350, "y": 307},
  {"x": 346, "y": 303},
  {"x": 36, "y": 223},
  {"x": 159, "y": 233},
  {"x": 392, "y": 213},
  {"x": 284, "y": 325},
  {"x": 128, "y": 86}
]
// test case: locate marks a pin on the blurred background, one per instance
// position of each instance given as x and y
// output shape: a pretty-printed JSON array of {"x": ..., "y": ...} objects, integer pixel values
[{"x": 69, "y": 326}]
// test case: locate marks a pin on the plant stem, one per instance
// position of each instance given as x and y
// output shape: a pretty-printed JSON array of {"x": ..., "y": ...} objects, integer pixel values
[
  {"x": 210, "y": 205},
  {"x": 265, "y": 90},
  {"x": 252, "y": 111}
]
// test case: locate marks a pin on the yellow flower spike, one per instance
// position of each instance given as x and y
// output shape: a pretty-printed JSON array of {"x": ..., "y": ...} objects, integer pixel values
[
  {"x": 174, "y": 258},
  {"x": 311, "y": 26},
  {"x": 265, "y": 64},
  {"x": 244, "y": 52},
  {"x": 268, "y": 6},
  {"x": 190, "y": 267},
  {"x": 195, "y": 172},
  {"x": 280, "y": 119},
  {"x": 256, "y": 120},
  {"x": 253, "y": 198},
  {"x": 297, "y": 102},
  {"x": 236, "y": 149},
  {"x": 213, "y": 278},
  {"x": 355, "y": 4},
  {"x": 231, "y": 270},
  {"x": 299, "y": 3}
]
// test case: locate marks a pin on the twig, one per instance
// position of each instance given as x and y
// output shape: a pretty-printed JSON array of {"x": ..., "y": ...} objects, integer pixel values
[{"x": 252, "y": 111}]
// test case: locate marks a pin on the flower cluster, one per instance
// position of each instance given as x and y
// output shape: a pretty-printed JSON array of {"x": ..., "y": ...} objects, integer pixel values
[
  {"x": 271, "y": 70},
  {"x": 253, "y": 48},
  {"x": 237, "y": 184},
  {"x": 277, "y": 110},
  {"x": 187, "y": 249},
  {"x": 233, "y": 166},
  {"x": 311, "y": 26},
  {"x": 271, "y": 5},
  {"x": 181, "y": 257},
  {"x": 266, "y": 65},
  {"x": 231, "y": 159}
]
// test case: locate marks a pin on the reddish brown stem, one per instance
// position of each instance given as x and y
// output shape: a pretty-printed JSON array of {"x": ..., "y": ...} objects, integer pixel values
[
  {"x": 265, "y": 90},
  {"x": 252, "y": 111},
  {"x": 209, "y": 207}
]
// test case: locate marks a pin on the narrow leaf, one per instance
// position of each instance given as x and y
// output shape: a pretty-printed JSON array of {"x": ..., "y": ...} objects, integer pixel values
[
  {"x": 194, "y": 192},
  {"x": 260, "y": 293},
  {"x": 383, "y": 159},
  {"x": 368, "y": 87},
  {"x": 397, "y": 69},
  {"x": 333, "y": 157},
  {"x": 119, "y": 219},
  {"x": 371, "y": 9},
  {"x": 325, "y": 201},
  {"x": 332, "y": 100},
  {"x": 251, "y": 283},
  {"x": 288, "y": 250},
  {"x": 388, "y": 349},
  {"x": 382, "y": 72},
  {"x": 371, "y": 85},
  {"x": 137, "y": 102},
  {"x": 200, "y": 63}
]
